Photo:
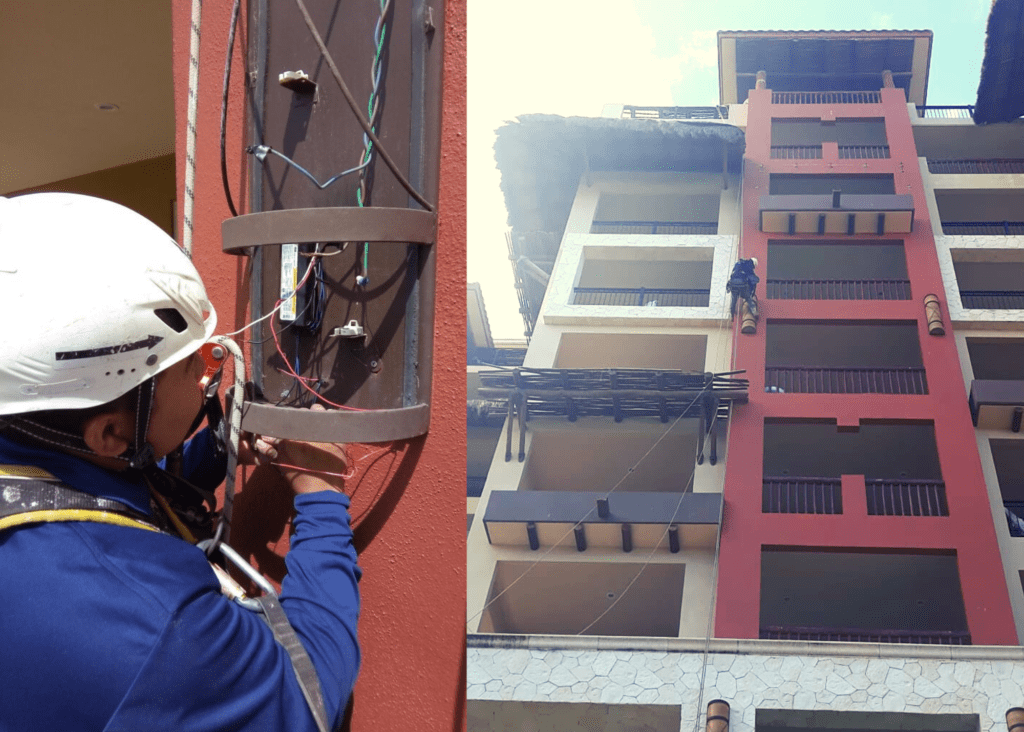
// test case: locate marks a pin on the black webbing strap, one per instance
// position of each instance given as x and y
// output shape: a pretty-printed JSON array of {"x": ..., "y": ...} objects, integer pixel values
[
  {"x": 273, "y": 613},
  {"x": 27, "y": 495}
]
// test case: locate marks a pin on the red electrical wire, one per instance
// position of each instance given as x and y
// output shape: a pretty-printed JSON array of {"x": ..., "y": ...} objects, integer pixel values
[{"x": 299, "y": 379}]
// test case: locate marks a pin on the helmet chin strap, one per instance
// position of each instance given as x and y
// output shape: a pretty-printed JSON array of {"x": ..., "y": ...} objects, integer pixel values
[{"x": 144, "y": 457}]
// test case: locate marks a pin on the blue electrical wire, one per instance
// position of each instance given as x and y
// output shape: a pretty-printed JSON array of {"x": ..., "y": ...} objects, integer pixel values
[{"x": 261, "y": 152}]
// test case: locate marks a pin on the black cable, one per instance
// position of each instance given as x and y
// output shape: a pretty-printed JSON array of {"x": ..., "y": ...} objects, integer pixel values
[
  {"x": 224, "y": 107},
  {"x": 357, "y": 111}
]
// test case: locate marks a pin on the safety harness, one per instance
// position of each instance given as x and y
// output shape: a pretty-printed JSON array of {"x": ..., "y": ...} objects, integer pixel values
[{"x": 31, "y": 495}]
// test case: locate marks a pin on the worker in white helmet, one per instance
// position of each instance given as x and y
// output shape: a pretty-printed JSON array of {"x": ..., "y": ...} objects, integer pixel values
[
  {"x": 742, "y": 284},
  {"x": 110, "y": 621}
]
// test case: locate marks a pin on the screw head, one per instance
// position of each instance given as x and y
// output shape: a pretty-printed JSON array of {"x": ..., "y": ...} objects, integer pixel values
[{"x": 217, "y": 352}]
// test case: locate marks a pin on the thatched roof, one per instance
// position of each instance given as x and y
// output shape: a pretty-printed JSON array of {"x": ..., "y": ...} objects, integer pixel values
[{"x": 1001, "y": 90}]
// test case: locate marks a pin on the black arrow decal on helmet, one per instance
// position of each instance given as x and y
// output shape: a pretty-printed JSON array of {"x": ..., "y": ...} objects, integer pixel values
[{"x": 109, "y": 350}]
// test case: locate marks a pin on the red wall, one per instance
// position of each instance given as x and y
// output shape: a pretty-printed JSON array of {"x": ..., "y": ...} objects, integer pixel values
[
  {"x": 408, "y": 501},
  {"x": 968, "y": 529}
]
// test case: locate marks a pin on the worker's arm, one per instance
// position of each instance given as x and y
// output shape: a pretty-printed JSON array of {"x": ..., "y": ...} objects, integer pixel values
[
  {"x": 222, "y": 663},
  {"x": 216, "y": 665}
]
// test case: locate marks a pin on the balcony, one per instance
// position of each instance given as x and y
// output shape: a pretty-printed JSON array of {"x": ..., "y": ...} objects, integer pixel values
[
  {"x": 969, "y": 211},
  {"x": 997, "y": 390},
  {"x": 1008, "y": 456},
  {"x": 586, "y": 519},
  {"x": 830, "y": 270},
  {"x": 863, "y": 597},
  {"x": 826, "y": 97},
  {"x": 975, "y": 167},
  {"x": 860, "y": 635},
  {"x": 693, "y": 210},
  {"x": 990, "y": 285},
  {"x": 565, "y": 598},
  {"x": 844, "y": 358},
  {"x": 904, "y": 482},
  {"x": 964, "y": 111},
  {"x": 654, "y": 227},
  {"x": 630, "y": 111},
  {"x": 647, "y": 297},
  {"x": 983, "y": 228}
]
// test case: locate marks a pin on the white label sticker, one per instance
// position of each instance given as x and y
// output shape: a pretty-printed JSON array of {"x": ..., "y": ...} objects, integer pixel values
[{"x": 289, "y": 280}]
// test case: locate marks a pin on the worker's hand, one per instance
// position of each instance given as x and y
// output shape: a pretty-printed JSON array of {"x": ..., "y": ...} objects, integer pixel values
[{"x": 308, "y": 467}]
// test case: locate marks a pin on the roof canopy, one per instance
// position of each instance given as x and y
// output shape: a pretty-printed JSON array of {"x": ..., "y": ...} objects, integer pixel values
[{"x": 823, "y": 61}]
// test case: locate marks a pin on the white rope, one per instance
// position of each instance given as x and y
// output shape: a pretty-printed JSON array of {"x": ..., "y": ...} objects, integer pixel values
[
  {"x": 234, "y": 433},
  {"x": 190, "y": 139}
]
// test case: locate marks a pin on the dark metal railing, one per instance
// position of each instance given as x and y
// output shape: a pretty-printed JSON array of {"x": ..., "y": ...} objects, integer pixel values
[
  {"x": 999, "y": 165},
  {"x": 1004, "y": 228},
  {"x": 654, "y": 227},
  {"x": 801, "y": 495},
  {"x": 887, "y": 497},
  {"x": 1015, "y": 517},
  {"x": 820, "y": 380},
  {"x": 796, "y": 152},
  {"x": 630, "y": 111},
  {"x": 838, "y": 289},
  {"x": 861, "y": 635},
  {"x": 863, "y": 152},
  {"x": 650, "y": 297},
  {"x": 965, "y": 111},
  {"x": 992, "y": 299},
  {"x": 827, "y": 97}
]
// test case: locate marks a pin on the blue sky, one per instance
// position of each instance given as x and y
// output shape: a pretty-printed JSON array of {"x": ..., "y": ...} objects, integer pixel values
[{"x": 571, "y": 57}]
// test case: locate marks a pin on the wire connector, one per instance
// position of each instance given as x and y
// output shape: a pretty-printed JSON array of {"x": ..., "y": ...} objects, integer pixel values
[
  {"x": 298, "y": 81},
  {"x": 351, "y": 330}
]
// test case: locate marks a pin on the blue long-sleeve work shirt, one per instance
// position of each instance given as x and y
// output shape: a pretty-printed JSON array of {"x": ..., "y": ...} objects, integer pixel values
[{"x": 115, "y": 628}]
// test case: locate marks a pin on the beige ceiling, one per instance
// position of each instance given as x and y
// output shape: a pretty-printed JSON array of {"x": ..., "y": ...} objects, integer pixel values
[{"x": 58, "y": 60}]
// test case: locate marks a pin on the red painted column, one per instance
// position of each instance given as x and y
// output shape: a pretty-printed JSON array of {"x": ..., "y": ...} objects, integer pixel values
[
  {"x": 968, "y": 529},
  {"x": 409, "y": 502}
]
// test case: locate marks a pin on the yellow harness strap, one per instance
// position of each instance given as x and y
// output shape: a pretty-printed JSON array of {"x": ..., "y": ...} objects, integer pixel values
[{"x": 72, "y": 514}]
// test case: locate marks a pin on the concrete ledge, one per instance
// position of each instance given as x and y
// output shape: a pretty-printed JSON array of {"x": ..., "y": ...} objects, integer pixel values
[{"x": 746, "y": 646}]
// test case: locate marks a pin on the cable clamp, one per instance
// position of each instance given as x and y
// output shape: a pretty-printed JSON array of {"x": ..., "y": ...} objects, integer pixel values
[{"x": 351, "y": 330}]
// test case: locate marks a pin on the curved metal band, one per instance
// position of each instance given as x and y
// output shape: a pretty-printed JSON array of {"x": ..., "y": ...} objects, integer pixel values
[
  {"x": 306, "y": 225},
  {"x": 377, "y": 425}
]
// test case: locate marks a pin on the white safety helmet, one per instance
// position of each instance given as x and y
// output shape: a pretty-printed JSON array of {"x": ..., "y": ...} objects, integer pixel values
[
  {"x": 754, "y": 260},
  {"x": 98, "y": 299}
]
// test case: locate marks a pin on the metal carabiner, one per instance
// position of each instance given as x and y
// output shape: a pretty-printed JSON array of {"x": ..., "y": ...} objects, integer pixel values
[{"x": 231, "y": 588}]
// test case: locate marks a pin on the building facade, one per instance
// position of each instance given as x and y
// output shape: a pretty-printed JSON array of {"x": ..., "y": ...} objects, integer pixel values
[{"x": 817, "y": 516}]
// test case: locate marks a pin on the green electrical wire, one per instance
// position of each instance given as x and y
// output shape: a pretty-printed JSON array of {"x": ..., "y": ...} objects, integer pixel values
[{"x": 371, "y": 113}]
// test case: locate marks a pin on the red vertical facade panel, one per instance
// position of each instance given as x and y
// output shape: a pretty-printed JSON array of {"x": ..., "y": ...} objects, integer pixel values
[
  {"x": 968, "y": 530},
  {"x": 412, "y": 541}
]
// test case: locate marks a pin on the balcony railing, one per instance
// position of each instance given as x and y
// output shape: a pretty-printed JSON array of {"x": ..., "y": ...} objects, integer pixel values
[
  {"x": 796, "y": 152},
  {"x": 906, "y": 497},
  {"x": 649, "y": 297},
  {"x": 838, "y": 289},
  {"x": 827, "y": 97},
  {"x": 956, "y": 167},
  {"x": 801, "y": 495},
  {"x": 654, "y": 227},
  {"x": 992, "y": 299},
  {"x": 863, "y": 152},
  {"x": 860, "y": 635},
  {"x": 977, "y": 228},
  {"x": 819, "y": 380},
  {"x": 965, "y": 111},
  {"x": 630, "y": 111},
  {"x": 1015, "y": 517}
]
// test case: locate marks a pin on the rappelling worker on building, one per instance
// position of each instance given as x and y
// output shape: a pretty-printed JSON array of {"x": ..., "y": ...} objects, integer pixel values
[
  {"x": 742, "y": 284},
  {"x": 110, "y": 620}
]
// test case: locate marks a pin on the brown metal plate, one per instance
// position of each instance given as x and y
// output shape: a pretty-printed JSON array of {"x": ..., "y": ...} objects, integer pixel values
[
  {"x": 382, "y": 425},
  {"x": 338, "y": 224}
]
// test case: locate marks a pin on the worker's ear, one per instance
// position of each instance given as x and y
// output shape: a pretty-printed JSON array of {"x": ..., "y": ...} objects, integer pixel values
[{"x": 109, "y": 434}]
